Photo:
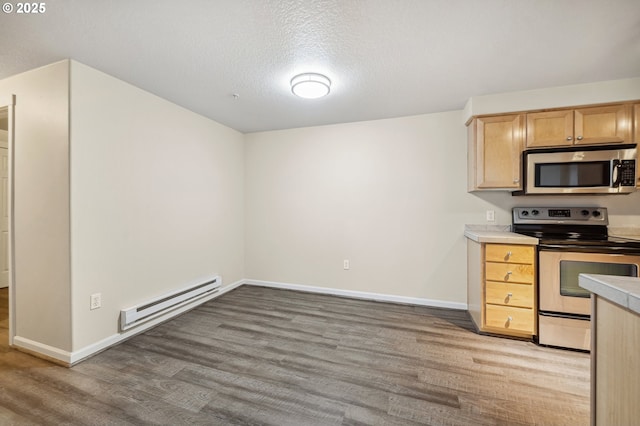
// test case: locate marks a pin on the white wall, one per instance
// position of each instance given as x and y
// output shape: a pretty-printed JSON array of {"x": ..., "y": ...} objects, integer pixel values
[
  {"x": 554, "y": 97},
  {"x": 388, "y": 195},
  {"x": 160, "y": 196},
  {"x": 41, "y": 205},
  {"x": 624, "y": 210},
  {"x": 156, "y": 199}
]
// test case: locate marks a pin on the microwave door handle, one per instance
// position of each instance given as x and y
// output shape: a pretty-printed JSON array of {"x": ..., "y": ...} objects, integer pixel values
[{"x": 617, "y": 176}]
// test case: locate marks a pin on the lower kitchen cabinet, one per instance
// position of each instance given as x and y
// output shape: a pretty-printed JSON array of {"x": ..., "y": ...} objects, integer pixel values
[
  {"x": 502, "y": 288},
  {"x": 615, "y": 388},
  {"x": 508, "y": 319}
]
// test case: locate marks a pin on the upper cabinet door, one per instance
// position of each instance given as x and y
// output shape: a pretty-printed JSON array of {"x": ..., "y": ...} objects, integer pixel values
[
  {"x": 636, "y": 123},
  {"x": 499, "y": 142},
  {"x": 551, "y": 128},
  {"x": 607, "y": 124},
  {"x": 636, "y": 137}
]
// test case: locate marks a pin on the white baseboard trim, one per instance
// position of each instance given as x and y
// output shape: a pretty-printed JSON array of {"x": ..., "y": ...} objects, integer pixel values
[
  {"x": 360, "y": 294},
  {"x": 71, "y": 358},
  {"x": 100, "y": 346},
  {"x": 37, "y": 348}
]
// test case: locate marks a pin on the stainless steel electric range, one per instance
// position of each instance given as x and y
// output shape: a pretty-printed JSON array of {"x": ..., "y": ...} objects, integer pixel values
[{"x": 572, "y": 240}]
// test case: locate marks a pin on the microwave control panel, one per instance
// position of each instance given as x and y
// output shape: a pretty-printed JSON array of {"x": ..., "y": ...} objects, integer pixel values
[{"x": 627, "y": 172}]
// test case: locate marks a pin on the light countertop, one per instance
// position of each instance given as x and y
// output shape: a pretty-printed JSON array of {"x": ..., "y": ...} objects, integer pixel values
[
  {"x": 623, "y": 291},
  {"x": 625, "y": 232},
  {"x": 496, "y": 234}
]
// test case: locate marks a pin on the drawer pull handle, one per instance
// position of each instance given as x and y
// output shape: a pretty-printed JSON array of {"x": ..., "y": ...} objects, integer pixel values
[
  {"x": 509, "y": 319},
  {"x": 508, "y": 298}
]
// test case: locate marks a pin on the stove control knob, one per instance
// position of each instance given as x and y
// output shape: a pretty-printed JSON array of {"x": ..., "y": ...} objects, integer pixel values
[
  {"x": 596, "y": 213},
  {"x": 525, "y": 213},
  {"x": 535, "y": 212},
  {"x": 584, "y": 212}
]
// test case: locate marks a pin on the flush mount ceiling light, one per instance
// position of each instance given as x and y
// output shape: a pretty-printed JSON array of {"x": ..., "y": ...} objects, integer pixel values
[{"x": 310, "y": 85}]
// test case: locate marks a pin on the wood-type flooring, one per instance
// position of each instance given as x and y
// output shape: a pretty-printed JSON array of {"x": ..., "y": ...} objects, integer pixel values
[{"x": 259, "y": 356}]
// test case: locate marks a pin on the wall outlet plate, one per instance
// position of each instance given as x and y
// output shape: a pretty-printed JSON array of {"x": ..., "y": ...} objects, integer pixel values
[
  {"x": 96, "y": 301},
  {"x": 491, "y": 215},
  {"x": 346, "y": 264}
]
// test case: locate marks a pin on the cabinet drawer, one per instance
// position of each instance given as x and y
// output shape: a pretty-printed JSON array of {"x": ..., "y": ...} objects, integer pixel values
[
  {"x": 520, "y": 295},
  {"x": 509, "y": 272},
  {"x": 509, "y": 318},
  {"x": 511, "y": 253}
]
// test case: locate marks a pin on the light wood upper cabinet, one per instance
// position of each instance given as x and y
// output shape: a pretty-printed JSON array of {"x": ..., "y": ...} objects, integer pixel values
[
  {"x": 550, "y": 128},
  {"x": 582, "y": 126},
  {"x": 636, "y": 123},
  {"x": 495, "y": 145},
  {"x": 636, "y": 137},
  {"x": 606, "y": 124}
]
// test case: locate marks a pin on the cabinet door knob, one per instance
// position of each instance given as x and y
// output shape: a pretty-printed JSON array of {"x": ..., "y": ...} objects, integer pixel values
[
  {"x": 509, "y": 319},
  {"x": 508, "y": 254},
  {"x": 569, "y": 138},
  {"x": 579, "y": 138},
  {"x": 509, "y": 294},
  {"x": 509, "y": 272}
]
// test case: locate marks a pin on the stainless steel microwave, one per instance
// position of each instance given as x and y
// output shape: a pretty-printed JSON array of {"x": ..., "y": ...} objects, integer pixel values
[{"x": 585, "y": 170}]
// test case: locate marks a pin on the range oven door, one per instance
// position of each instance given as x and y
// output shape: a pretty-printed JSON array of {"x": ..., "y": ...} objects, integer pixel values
[
  {"x": 558, "y": 277},
  {"x": 564, "y": 307}
]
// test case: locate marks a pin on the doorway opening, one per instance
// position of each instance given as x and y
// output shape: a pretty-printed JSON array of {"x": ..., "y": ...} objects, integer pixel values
[{"x": 4, "y": 226}]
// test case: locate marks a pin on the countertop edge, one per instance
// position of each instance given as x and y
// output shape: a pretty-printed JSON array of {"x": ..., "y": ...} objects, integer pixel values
[
  {"x": 623, "y": 291},
  {"x": 500, "y": 237}
]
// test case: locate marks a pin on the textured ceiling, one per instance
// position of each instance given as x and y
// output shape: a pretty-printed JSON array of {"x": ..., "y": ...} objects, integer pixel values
[{"x": 386, "y": 58}]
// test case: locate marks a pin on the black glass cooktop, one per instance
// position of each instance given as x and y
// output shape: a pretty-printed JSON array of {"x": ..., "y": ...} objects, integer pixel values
[
  {"x": 579, "y": 238},
  {"x": 616, "y": 245},
  {"x": 606, "y": 241}
]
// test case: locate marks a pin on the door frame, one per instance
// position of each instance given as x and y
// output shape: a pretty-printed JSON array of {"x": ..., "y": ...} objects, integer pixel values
[{"x": 9, "y": 102}]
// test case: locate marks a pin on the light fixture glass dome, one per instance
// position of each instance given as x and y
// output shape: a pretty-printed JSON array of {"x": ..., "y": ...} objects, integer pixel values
[{"x": 310, "y": 85}]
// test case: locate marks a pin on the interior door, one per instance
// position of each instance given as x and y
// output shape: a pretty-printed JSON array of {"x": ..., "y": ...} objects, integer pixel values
[{"x": 4, "y": 213}]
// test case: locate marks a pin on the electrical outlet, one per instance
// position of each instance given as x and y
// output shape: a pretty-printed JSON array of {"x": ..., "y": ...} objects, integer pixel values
[
  {"x": 96, "y": 301},
  {"x": 491, "y": 215},
  {"x": 346, "y": 264}
]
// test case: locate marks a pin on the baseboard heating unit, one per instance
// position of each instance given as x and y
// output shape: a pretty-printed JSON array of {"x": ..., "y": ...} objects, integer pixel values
[{"x": 147, "y": 311}]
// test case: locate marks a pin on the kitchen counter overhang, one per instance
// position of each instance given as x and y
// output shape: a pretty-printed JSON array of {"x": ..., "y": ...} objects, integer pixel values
[
  {"x": 623, "y": 291},
  {"x": 496, "y": 235}
]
